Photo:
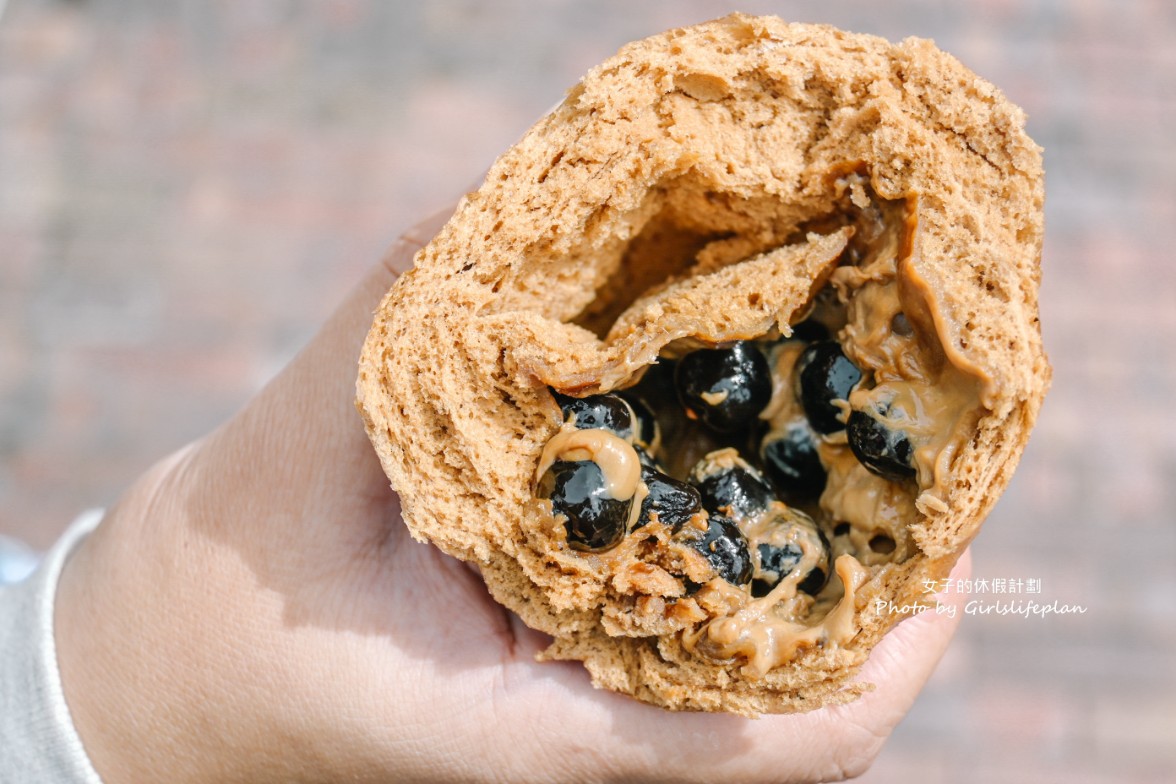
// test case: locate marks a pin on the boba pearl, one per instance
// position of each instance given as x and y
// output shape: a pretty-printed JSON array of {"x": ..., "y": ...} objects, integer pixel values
[
  {"x": 791, "y": 461},
  {"x": 647, "y": 460},
  {"x": 728, "y": 484},
  {"x": 674, "y": 502},
  {"x": 824, "y": 374},
  {"x": 598, "y": 412},
  {"x": 725, "y": 388},
  {"x": 725, "y": 547},
  {"x": 885, "y": 452},
  {"x": 594, "y": 520},
  {"x": 646, "y": 433},
  {"x": 780, "y": 554}
]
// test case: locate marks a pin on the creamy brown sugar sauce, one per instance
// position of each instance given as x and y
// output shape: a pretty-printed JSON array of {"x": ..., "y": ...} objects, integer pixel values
[
  {"x": 888, "y": 323},
  {"x": 768, "y": 632},
  {"x": 617, "y": 459},
  {"x": 619, "y": 465}
]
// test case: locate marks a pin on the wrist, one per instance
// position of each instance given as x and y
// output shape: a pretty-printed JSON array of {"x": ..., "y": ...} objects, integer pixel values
[{"x": 131, "y": 650}]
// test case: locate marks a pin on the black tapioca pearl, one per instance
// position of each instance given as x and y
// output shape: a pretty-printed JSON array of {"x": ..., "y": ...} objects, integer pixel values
[
  {"x": 647, "y": 460},
  {"x": 786, "y": 559},
  {"x": 674, "y": 502},
  {"x": 824, "y": 374},
  {"x": 646, "y": 433},
  {"x": 780, "y": 555},
  {"x": 791, "y": 462},
  {"x": 883, "y": 451},
  {"x": 598, "y": 412},
  {"x": 657, "y": 385},
  {"x": 725, "y": 547},
  {"x": 725, "y": 388},
  {"x": 780, "y": 561},
  {"x": 594, "y": 520},
  {"x": 728, "y": 484},
  {"x": 817, "y": 579}
]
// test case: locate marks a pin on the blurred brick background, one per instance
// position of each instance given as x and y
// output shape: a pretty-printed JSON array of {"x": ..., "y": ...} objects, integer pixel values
[{"x": 187, "y": 189}]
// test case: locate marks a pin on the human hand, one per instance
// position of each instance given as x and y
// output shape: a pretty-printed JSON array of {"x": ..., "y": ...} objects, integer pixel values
[{"x": 253, "y": 609}]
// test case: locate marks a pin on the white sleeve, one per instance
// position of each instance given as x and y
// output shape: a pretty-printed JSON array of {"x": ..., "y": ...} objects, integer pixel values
[{"x": 38, "y": 741}]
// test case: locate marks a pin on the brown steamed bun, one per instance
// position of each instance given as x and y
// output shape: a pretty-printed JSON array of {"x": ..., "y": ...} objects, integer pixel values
[{"x": 708, "y": 188}]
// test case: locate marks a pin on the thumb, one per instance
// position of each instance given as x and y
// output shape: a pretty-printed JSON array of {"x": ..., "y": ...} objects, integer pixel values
[
  {"x": 899, "y": 666},
  {"x": 905, "y": 658}
]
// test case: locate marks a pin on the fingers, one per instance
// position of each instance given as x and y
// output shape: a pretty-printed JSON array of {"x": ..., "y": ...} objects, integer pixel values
[
  {"x": 898, "y": 667},
  {"x": 842, "y": 741},
  {"x": 905, "y": 658}
]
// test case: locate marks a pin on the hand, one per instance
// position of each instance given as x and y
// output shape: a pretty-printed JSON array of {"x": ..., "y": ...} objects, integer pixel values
[{"x": 253, "y": 609}]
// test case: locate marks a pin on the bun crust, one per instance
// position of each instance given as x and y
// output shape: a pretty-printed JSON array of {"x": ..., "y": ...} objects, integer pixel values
[{"x": 681, "y": 192}]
